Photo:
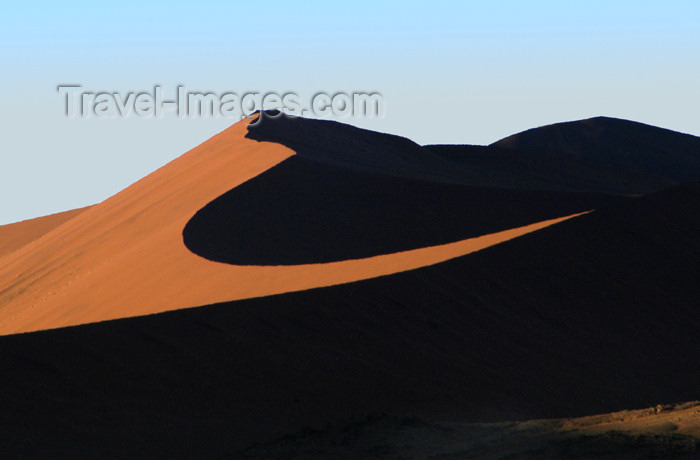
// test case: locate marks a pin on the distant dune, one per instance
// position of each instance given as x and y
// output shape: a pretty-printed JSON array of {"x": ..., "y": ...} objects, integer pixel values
[
  {"x": 15, "y": 236},
  {"x": 665, "y": 157},
  {"x": 300, "y": 273},
  {"x": 601, "y": 155}
]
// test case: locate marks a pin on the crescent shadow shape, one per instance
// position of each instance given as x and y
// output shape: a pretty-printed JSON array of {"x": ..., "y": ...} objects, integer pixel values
[{"x": 306, "y": 211}]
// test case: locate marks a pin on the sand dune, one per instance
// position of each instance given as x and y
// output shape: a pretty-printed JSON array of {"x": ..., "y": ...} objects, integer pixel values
[
  {"x": 501, "y": 315},
  {"x": 125, "y": 257},
  {"x": 665, "y": 157}
]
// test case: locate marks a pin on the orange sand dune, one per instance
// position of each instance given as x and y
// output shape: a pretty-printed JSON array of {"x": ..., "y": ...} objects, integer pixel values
[
  {"x": 14, "y": 236},
  {"x": 125, "y": 257}
]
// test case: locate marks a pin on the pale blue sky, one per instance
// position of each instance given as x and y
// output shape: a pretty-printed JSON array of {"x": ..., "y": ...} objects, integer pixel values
[{"x": 450, "y": 72}]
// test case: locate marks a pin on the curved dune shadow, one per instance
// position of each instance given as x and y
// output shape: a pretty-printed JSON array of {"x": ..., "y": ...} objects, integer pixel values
[{"x": 307, "y": 210}]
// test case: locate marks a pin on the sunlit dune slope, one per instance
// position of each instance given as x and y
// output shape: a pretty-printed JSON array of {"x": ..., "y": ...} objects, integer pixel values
[{"x": 125, "y": 256}]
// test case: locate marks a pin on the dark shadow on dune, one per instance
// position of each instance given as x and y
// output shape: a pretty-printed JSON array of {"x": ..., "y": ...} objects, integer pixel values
[
  {"x": 332, "y": 202},
  {"x": 593, "y": 315},
  {"x": 600, "y": 155},
  {"x": 303, "y": 211}
]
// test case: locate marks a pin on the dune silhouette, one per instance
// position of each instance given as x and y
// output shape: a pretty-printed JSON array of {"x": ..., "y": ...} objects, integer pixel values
[
  {"x": 294, "y": 273},
  {"x": 601, "y": 155},
  {"x": 665, "y": 157}
]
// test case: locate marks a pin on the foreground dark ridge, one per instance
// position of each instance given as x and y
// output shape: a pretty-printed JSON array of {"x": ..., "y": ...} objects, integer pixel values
[
  {"x": 593, "y": 315},
  {"x": 663, "y": 431}
]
